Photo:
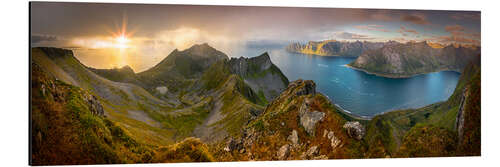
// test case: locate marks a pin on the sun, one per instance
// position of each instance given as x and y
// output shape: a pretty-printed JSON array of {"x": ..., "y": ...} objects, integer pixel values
[
  {"x": 122, "y": 39},
  {"x": 121, "y": 42}
]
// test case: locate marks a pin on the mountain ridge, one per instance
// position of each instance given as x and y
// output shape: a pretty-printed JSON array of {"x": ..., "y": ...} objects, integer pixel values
[{"x": 405, "y": 60}]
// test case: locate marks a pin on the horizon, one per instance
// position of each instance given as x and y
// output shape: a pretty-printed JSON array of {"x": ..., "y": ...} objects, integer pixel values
[{"x": 141, "y": 35}]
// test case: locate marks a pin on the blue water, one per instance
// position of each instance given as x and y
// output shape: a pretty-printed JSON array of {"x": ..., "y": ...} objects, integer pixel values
[{"x": 355, "y": 91}]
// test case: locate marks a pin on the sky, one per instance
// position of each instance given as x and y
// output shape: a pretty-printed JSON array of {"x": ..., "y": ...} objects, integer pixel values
[{"x": 140, "y": 35}]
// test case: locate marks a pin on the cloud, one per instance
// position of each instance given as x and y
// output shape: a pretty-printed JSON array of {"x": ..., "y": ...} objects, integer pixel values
[
  {"x": 372, "y": 27},
  {"x": 452, "y": 28},
  {"x": 459, "y": 34},
  {"x": 404, "y": 31},
  {"x": 466, "y": 16},
  {"x": 458, "y": 39},
  {"x": 415, "y": 19},
  {"x": 42, "y": 38},
  {"x": 352, "y": 36}
]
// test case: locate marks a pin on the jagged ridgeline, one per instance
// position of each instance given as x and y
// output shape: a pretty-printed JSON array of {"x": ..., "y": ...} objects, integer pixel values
[
  {"x": 196, "y": 92},
  {"x": 200, "y": 105},
  {"x": 334, "y": 48},
  {"x": 396, "y": 59}
]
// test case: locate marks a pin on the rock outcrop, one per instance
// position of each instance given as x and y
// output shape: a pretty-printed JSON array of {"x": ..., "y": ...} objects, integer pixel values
[
  {"x": 459, "y": 123},
  {"x": 94, "y": 105},
  {"x": 294, "y": 138},
  {"x": 355, "y": 129},
  {"x": 303, "y": 87},
  {"x": 284, "y": 152},
  {"x": 310, "y": 153},
  {"x": 334, "y": 141}
]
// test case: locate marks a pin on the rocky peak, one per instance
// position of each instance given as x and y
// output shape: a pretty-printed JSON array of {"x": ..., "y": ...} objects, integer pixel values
[
  {"x": 243, "y": 66},
  {"x": 126, "y": 69},
  {"x": 56, "y": 52},
  {"x": 303, "y": 87}
]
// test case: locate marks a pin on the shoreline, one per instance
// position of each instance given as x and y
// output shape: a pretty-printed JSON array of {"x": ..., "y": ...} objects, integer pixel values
[
  {"x": 347, "y": 112},
  {"x": 394, "y": 76},
  {"x": 313, "y": 54}
]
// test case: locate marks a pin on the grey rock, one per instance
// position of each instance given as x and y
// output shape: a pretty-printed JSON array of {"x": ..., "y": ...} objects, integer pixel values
[
  {"x": 354, "y": 129},
  {"x": 294, "y": 138},
  {"x": 459, "y": 122},
  {"x": 94, "y": 105},
  {"x": 334, "y": 141},
  {"x": 233, "y": 144},
  {"x": 308, "y": 88},
  {"x": 321, "y": 157},
  {"x": 309, "y": 119},
  {"x": 310, "y": 153},
  {"x": 284, "y": 152}
]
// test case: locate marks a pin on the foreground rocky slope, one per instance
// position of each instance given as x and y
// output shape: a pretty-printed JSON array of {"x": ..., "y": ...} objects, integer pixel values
[
  {"x": 300, "y": 124},
  {"x": 232, "y": 108},
  {"x": 334, "y": 48},
  {"x": 412, "y": 58},
  {"x": 303, "y": 124},
  {"x": 214, "y": 102}
]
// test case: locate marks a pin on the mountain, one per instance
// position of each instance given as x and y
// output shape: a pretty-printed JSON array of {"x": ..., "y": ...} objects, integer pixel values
[
  {"x": 181, "y": 65},
  {"x": 216, "y": 102},
  {"x": 260, "y": 74},
  {"x": 230, "y": 110},
  {"x": 299, "y": 124},
  {"x": 433, "y": 130},
  {"x": 303, "y": 124},
  {"x": 412, "y": 58},
  {"x": 334, "y": 48}
]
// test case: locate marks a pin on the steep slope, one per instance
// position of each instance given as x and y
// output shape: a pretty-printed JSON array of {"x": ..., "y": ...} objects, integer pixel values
[
  {"x": 239, "y": 88},
  {"x": 175, "y": 71},
  {"x": 214, "y": 102},
  {"x": 126, "y": 103},
  {"x": 412, "y": 58},
  {"x": 123, "y": 74},
  {"x": 68, "y": 126},
  {"x": 260, "y": 74},
  {"x": 298, "y": 124},
  {"x": 398, "y": 133},
  {"x": 334, "y": 48}
]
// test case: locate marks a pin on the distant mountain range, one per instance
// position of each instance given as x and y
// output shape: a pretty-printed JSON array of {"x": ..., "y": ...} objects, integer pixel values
[
  {"x": 394, "y": 59},
  {"x": 334, "y": 48},
  {"x": 412, "y": 58},
  {"x": 200, "y": 105}
]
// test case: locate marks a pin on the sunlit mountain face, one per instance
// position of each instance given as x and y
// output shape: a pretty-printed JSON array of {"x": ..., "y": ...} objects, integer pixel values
[{"x": 140, "y": 35}]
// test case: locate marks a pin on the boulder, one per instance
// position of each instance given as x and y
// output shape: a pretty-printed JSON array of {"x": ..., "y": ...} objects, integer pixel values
[
  {"x": 284, "y": 152},
  {"x": 294, "y": 138},
  {"x": 354, "y": 129},
  {"x": 334, "y": 141},
  {"x": 309, "y": 119},
  {"x": 321, "y": 157},
  {"x": 310, "y": 153},
  {"x": 233, "y": 144}
]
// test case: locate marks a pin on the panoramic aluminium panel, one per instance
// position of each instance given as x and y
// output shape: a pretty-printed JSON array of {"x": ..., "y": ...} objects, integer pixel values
[{"x": 158, "y": 83}]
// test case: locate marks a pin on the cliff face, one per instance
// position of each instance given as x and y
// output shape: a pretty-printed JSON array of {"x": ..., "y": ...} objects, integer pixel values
[
  {"x": 405, "y": 60},
  {"x": 334, "y": 48},
  {"x": 265, "y": 78}
]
